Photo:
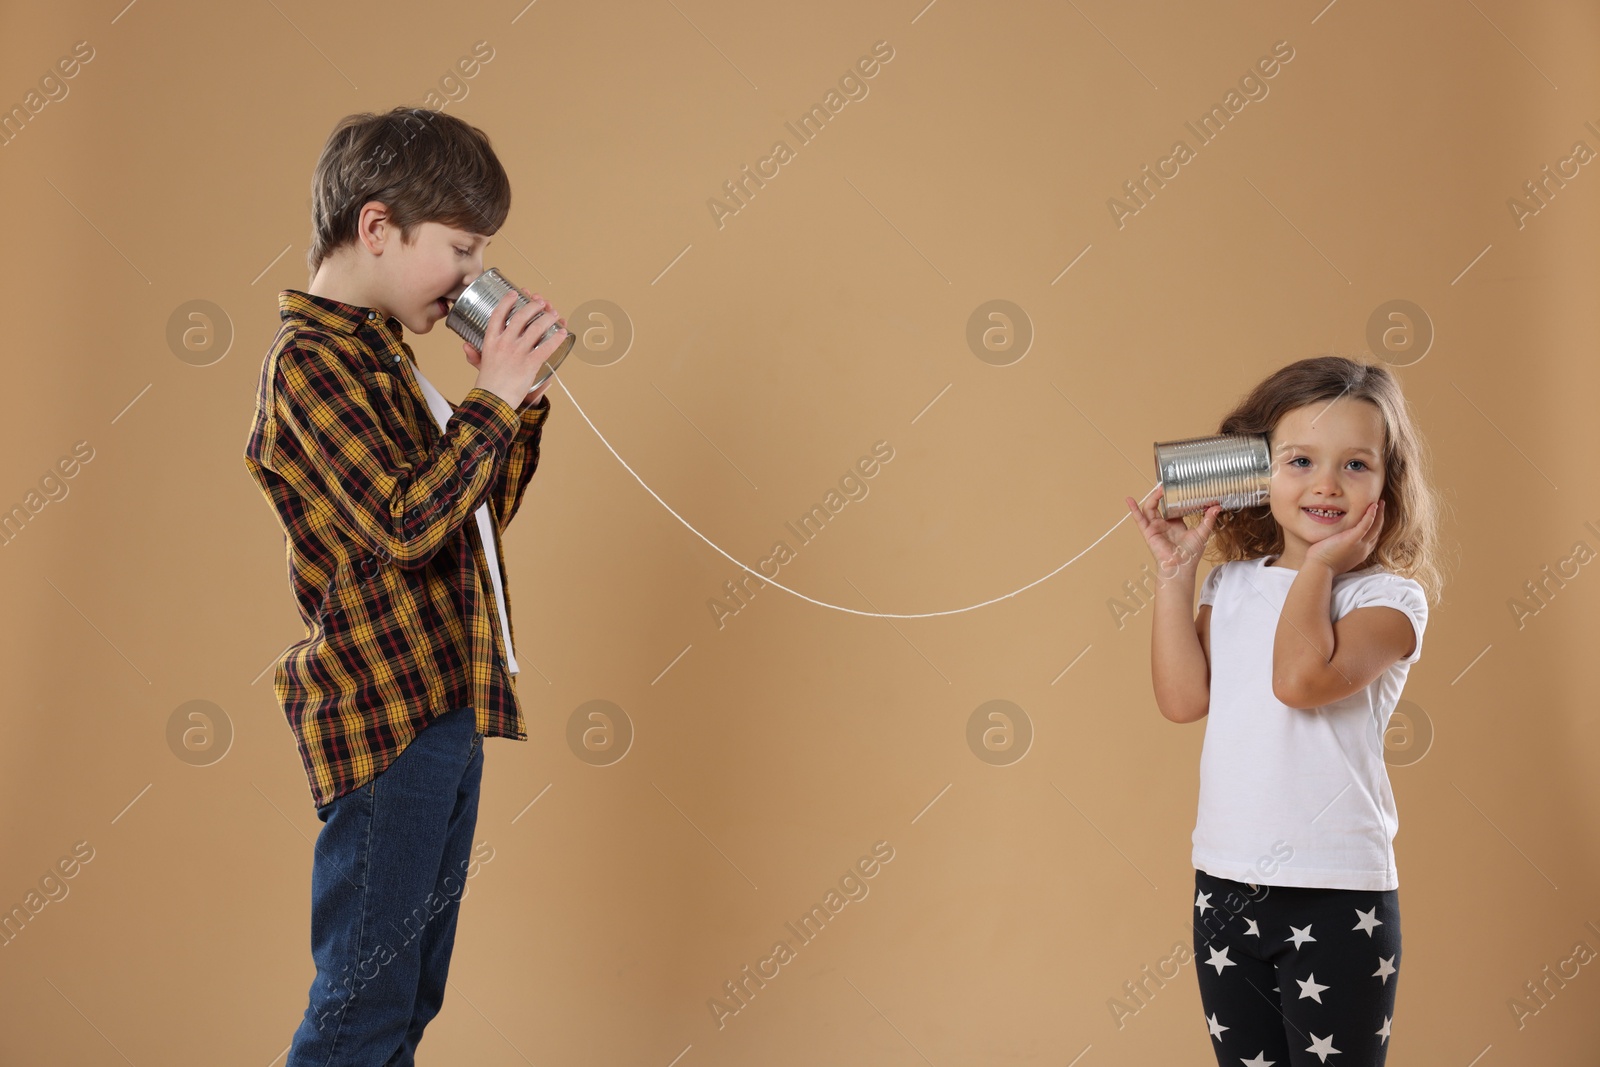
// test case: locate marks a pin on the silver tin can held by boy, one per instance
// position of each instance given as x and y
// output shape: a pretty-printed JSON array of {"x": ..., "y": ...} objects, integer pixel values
[
  {"x": 1233, "y": 470},
  {"x": 469, "y": 317}
]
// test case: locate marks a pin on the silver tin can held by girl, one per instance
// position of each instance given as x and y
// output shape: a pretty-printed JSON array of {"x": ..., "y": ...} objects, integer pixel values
[
  {"x": 469, "y": 317},
  {"x": 1234, "y": 470}
]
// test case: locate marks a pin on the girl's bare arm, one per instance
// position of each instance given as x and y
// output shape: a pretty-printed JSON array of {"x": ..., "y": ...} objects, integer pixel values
[
  {"x": 1180, "y": 642},
  {"x": 1180, "y": 651}
]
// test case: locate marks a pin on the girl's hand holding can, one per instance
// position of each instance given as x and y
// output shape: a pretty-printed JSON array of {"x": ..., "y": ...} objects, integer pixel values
[{"x": 1175, "y": 546}]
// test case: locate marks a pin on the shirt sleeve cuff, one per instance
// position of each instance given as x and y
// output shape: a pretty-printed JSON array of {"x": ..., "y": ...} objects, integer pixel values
[
  {"x": 490, "y": 415},
  {"x": 533, "y": 415}
]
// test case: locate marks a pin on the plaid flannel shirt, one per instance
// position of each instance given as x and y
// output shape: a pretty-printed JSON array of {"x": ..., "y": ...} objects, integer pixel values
[{"x": 386, "y": 565}]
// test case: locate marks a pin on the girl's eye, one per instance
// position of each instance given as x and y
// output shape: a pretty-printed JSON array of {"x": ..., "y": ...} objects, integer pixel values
[
  {"x": 1297, "y": 459},
  {"x": 464, "y": 251}
]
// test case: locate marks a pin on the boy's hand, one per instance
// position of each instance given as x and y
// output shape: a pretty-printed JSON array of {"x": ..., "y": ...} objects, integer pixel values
[
  {"x": 510, "y": 359},
  {"x": 1177, "y": 548}
]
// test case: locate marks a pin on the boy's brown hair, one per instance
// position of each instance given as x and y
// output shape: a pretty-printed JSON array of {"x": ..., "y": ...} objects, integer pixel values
[
  {"x": 1409, "y": 543},
  {"x": 426, "y": 166}
]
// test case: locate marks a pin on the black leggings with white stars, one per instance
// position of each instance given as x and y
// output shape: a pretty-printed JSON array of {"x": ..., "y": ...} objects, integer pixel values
[{"x": 1295, "y": 977}]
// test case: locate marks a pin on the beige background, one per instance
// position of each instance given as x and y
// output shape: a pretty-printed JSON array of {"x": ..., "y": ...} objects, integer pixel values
[{"x": 772, "y": 354}]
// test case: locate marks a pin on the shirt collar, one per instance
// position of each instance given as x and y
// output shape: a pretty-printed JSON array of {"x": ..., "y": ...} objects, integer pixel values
[
  {"x": 383, "y": 338},
  {"x": 334, "y": 315}
]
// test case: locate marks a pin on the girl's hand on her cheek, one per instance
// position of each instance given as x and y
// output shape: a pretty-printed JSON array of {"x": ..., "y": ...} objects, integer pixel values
[{"x": 1348, "y": 548}]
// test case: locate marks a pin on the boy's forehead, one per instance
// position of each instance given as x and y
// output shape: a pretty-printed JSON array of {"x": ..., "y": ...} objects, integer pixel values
[{"x": 471, "y": 234}]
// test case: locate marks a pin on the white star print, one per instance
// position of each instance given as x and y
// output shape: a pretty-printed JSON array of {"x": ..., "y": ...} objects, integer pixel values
[
  {"x": 1310, "y": 988},
  {"x": 1203, "y": 901},
  {"x": 1300, "y": 936},
  {"x": 1252, "y": 928},
  {"x": 1260, "y": 1060},
  {"x": 1385, "y": 969},
  {"x": 1216, "y": 1027},
  {"x": 1384, "y": 1033},
  {"x": 1322, "y": 1046},
  {"x": 1367, "y": 920},
  {"x": 1220, "y": 960}
]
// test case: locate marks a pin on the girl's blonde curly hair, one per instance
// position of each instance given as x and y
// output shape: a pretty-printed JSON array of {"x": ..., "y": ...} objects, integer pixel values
[{"x": 1409, "y": 543}]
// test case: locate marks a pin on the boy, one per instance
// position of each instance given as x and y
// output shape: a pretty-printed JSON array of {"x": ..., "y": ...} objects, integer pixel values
[{"x": 393, "y": 501}]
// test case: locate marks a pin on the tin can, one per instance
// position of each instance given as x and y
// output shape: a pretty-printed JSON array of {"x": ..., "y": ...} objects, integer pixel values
[
  {"x": 469, "y": 317},
  {"x": 1234, "y": 470}
]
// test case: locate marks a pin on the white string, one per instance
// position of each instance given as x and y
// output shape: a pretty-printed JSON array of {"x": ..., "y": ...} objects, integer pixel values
[{"x": 793, "y": 592}]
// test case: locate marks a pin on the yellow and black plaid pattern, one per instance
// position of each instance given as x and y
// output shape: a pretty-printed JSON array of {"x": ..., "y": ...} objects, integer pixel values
[{"x": 384, "y": 558}]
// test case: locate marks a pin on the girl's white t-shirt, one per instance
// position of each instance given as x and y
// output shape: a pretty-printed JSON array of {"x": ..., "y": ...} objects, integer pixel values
[
  {"x": 441, "y": 412},
  {"x": 1296, "y": 797}
]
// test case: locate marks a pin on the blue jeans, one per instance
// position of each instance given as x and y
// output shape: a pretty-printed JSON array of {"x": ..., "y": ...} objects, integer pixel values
[{"x": 386, "y": 883}]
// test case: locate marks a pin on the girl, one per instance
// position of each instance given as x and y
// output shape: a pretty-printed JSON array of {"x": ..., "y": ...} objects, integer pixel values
[{"x": 1319, "y": 604}]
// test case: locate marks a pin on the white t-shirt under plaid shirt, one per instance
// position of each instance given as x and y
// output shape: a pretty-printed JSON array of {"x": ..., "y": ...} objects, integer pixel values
[{"x": 442, "y": 412}]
